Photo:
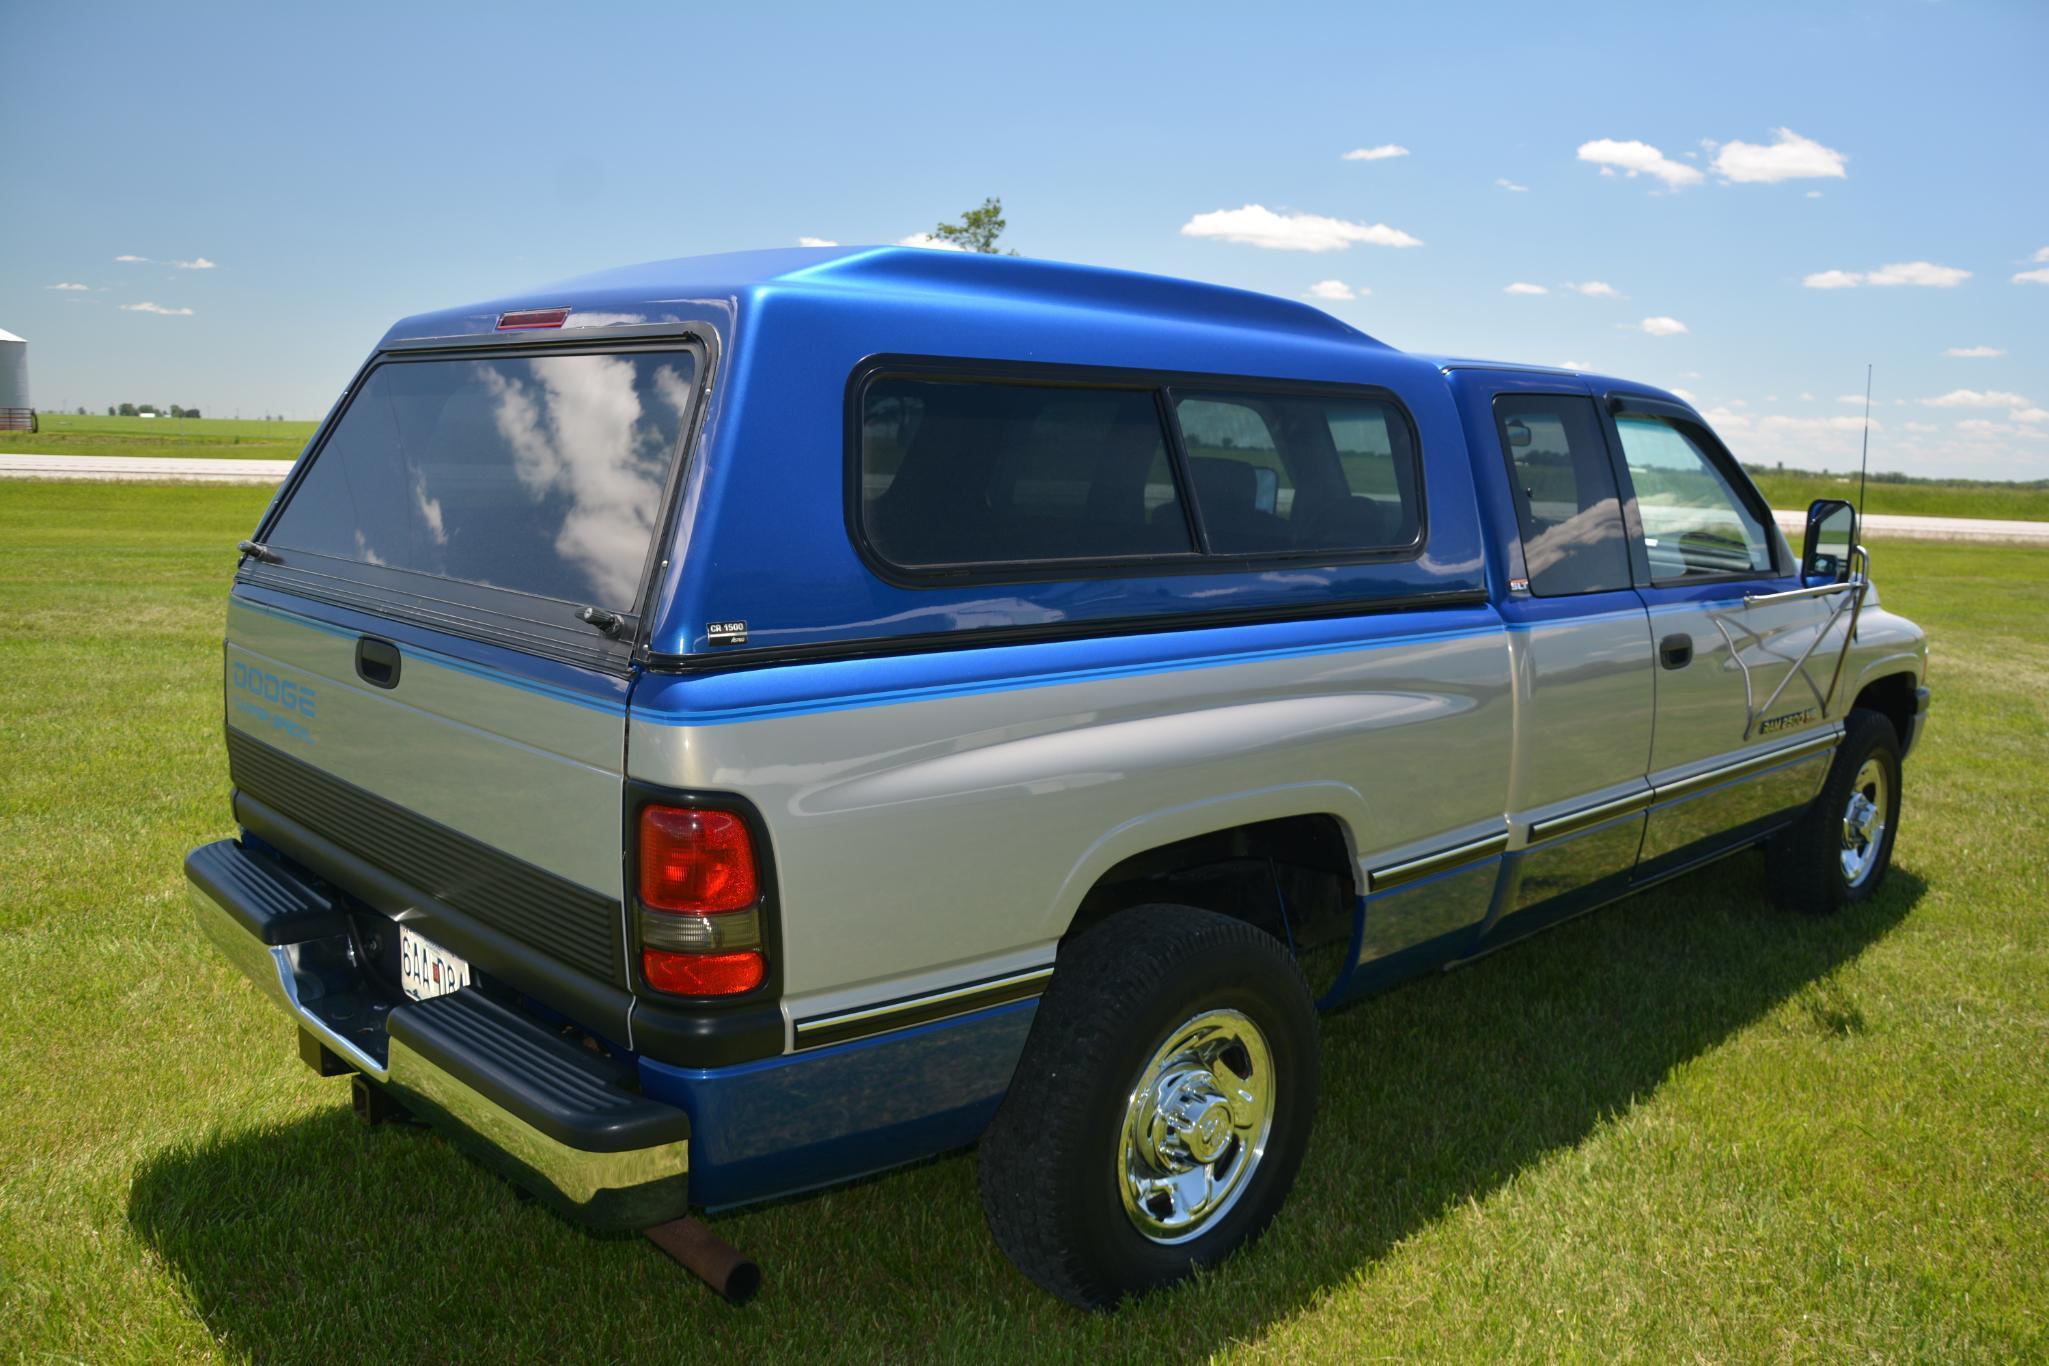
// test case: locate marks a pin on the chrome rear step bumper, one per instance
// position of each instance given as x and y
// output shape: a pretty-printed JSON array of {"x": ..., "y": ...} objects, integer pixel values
[{"x": 549, "y": 1115}]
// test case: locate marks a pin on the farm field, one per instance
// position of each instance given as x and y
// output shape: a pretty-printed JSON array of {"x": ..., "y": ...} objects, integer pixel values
[
  {"x": 1681, "y": 1128},
  {"x": 1794, "y": 490},
  {"x": 222, "y": 438}
]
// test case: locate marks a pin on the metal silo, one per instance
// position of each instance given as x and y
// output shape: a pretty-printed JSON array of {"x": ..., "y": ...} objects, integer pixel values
[{"x": 16, "y": 413}]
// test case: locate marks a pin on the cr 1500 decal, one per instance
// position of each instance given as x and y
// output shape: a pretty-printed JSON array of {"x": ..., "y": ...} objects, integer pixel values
[
  {"x": 282, "y": 704},
  {"x": 1786, "y": 722}
]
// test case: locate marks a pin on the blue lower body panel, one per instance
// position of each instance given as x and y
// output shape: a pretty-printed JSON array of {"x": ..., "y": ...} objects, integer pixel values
[{"x": 803, "y": 1120}]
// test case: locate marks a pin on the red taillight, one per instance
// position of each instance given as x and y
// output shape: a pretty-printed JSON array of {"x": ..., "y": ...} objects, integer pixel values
[
  {"x": 532, "y": 317},
  {"x": 698, "y": 862},
  {"x": 702, "y": 974}
]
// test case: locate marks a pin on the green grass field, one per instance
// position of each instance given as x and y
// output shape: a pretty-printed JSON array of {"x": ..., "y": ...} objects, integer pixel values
[
  {"x": 211, "y": 437},
  {"x": 1682, "y": 1128},
  {"x": 1795, "y": 489}
]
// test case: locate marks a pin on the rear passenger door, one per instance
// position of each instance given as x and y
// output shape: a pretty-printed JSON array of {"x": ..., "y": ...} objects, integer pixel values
[
  {"x": 1581, "y": 644},
  {"x": 1741, "y": 735}
]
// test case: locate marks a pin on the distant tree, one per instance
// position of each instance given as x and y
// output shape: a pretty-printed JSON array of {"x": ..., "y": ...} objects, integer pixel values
[
  {"x": 977, "y": 230},
  {"x": 176, "y": 411},
  {"x": 192, "y": 412},
  {"x": 110, "y": 411},
  {"x": 128, "y": 410}
]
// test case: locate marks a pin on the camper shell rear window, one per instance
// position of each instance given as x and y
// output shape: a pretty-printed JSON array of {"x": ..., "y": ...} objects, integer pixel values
[
  {"x": 534, "y": 480},
  {"x": 1012, "y": 472}
]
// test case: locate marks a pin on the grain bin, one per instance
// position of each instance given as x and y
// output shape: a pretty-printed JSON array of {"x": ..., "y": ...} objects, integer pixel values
[{"x": 16, "y": 413}]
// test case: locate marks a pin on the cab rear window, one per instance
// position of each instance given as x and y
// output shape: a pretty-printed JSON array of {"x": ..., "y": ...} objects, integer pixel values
[{"x": 542, "y": 475}]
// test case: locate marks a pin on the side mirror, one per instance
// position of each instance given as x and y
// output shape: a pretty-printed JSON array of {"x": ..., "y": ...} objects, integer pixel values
[{"x": 1831, "y": 536}]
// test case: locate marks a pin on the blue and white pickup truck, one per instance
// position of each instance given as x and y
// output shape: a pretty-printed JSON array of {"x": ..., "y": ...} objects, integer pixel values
[{"x": 717, "y": 728}]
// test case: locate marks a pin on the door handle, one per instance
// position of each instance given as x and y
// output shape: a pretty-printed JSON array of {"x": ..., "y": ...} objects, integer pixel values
[
  {"x": 377, "y": 662},
  {"x": 1675, "y": 651}
]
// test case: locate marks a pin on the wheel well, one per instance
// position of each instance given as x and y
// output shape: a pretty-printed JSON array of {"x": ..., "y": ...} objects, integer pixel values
[
  {"x": 1292, "y": 878},
  {"x": 1893, "y": 698}
]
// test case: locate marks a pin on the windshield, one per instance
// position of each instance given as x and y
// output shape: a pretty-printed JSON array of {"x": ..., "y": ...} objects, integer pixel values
[{"x": 541, "y": 474}]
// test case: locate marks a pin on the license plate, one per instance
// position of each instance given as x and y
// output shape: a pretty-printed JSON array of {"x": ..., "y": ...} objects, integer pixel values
[{"x": 427, "y": 970}]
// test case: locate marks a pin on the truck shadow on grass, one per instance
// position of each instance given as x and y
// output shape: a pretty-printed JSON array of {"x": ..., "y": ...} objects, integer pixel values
[{"x": 324, "y": 1239}]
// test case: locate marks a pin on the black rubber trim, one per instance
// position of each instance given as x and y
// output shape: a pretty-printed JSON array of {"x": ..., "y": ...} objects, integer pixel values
[
  {"x": 922, "y": 1009},
  {"x": 270, "y": 901},
  {"x": 574, "y": 1096},
  {"x": 570, "y": 922},
  {"x": 989, "y": 637}
]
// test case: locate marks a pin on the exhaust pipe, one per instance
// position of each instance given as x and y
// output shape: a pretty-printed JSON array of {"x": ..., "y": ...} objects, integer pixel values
[{"x": 713, "y": 1260}]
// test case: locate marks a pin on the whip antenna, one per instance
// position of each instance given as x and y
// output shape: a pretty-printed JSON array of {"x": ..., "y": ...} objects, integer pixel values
[{"x": 1864, "y": 460}]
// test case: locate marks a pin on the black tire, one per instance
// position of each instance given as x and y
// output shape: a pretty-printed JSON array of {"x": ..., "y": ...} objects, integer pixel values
[
  {"x": 1804, "y": 863},
  {"x": 1052, "y": 1160}
]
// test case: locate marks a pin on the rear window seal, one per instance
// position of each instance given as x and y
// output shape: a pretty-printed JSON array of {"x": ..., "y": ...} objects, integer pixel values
[{"x": 1160, "y": 383}]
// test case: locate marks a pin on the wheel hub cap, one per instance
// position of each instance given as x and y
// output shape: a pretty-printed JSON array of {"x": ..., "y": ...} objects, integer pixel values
[
  {"x": 1196, "y": 1126},
  {"x": 1864, "y": 822}
]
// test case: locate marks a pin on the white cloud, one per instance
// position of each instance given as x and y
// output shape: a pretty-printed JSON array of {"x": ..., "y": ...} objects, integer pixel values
[
  {"x": 196, "y": 263},
  {"x": 1662, "y": 326},
  {"x": 1814, "y": 194},
  {"x": 1525, "y": 287},
  {"x": 1595, "y": 289},
  {"x": 66, "y": 284},
  {"x": 1806, "y": 397},
  {"x": 1258, "y": 226},
  {"x": 1789, "y": 157},
  {"x": 1505, "y": 183},
  {"x": 816, "y": 242},
  {"x": 926, "y": 239},
  {"x": 1856, "y": 399},
  {"x": 2032, "y": 277},
  {"x": 1974, "y": 398},
  {"x": 143, "y": 259},
  {"x": 1686, "y": 394},
  {"x": 1638, "y": 158},
  {"x": 2040, "y": 256},
  {"x": 1974, "y": 352},
  {"x": 1918, "y": 273},
  {"x": 1380, "y": 153},
  {"x": 1833, "y": 279},
  {"x": 1574, "y": 365},
  {"x": 147, "y": 307},
  {"x": 1925, "y": 273},
  {"x": 2030, "y": 415},
  {"x": 1335, "y": 289},
  {"x": 1922, "y": 427}
]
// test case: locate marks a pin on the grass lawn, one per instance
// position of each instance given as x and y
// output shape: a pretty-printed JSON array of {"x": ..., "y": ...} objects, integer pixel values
[
  {"x": 218, "y": 438},
  {"x": 1795, "y": 489},
  {"x": 1682, "y": 1128}
]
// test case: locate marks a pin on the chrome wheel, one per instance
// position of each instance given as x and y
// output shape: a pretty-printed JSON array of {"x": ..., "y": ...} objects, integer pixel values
[
  {"x": 1196, "y": 1126},
  {"x": 1864, "y": 822}
]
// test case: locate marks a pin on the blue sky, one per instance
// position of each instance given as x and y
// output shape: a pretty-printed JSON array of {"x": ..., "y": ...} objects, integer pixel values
[{"x": 1801, "y": 188}]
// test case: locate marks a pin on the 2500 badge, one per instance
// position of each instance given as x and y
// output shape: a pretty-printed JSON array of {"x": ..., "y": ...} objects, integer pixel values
[{"x": 283, "y": 704}]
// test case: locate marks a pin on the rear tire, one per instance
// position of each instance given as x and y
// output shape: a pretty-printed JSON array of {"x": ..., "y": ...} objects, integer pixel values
[
  {"x": 1160, "y": 1109},
  {"x": 1839, "y": 851}
]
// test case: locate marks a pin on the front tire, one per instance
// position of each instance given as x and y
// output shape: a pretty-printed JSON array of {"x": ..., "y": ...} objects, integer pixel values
[
  {"x": 1160, "y": 1109},
  {"x": 1839, "y": 851}
]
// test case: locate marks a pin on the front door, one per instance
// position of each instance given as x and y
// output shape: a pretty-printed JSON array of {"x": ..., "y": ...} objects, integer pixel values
[{"x": 1742, "y": 732}]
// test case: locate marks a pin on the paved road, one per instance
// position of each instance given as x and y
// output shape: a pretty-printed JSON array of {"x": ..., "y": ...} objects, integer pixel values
[
  {"x": 142, "y": 469},
  {"x": 1878, "y": 526}
]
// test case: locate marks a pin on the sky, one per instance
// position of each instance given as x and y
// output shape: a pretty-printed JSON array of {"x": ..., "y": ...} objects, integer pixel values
[{"x": 225, "y": 206}]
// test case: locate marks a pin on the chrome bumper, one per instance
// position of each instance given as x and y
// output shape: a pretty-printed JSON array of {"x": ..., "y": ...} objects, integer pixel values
[{"x": 434, "y": 1053}]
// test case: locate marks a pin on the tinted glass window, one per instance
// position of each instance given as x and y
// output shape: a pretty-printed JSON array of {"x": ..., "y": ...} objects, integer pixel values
[
  {"x": 542, "y": 474},
  {"x": 1564, "y": 491},
  {"x": 1291, "y": 473},
  {"x": 1694, "y": 521},
  {"x": 981, "y": 473}
]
